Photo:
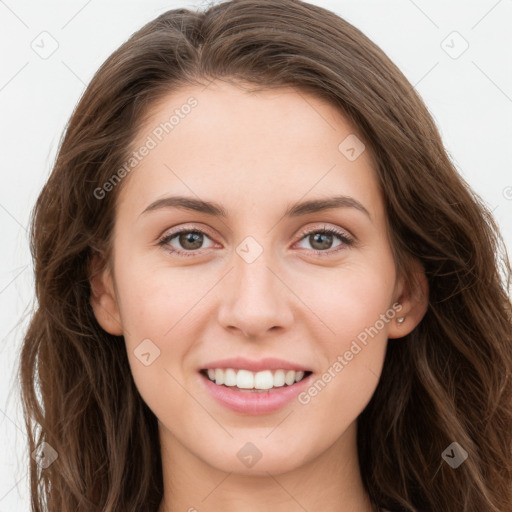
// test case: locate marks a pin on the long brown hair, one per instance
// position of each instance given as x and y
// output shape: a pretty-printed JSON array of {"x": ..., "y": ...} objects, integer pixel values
[{"x": 449, "y": 380}]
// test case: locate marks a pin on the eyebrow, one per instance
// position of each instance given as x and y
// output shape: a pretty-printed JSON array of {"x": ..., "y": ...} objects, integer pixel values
[{"x": 295, "y": 210}]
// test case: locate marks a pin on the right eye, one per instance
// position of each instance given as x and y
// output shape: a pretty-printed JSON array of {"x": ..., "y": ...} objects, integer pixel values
[{"x": 190, "y": 241}]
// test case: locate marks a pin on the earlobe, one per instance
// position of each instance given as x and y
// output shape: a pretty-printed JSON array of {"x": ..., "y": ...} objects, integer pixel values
[
  {"x": 103, "y": 298},
  {"x": 414, "y": 302}
]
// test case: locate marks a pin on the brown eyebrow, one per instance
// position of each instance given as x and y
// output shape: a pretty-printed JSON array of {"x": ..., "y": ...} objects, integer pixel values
[
  {"x": 187, "y": 203},
  {"x": 318, "y": 205},
  {"x": 295, "y": 210}
]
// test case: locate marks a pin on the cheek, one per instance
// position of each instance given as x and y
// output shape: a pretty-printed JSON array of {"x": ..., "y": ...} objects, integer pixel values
[
  {"x": 154, "y": 299},
  {"x": 148, "y": 311},
  {"x": 353, "y": 303},
  {"x": 154, "y": 316},
  {"x": 349, "y": 299},
  {"x": 158, "y": 305}
]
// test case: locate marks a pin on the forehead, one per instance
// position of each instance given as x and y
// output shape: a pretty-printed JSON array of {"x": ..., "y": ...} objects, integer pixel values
[{"x": 249, "y": 150}]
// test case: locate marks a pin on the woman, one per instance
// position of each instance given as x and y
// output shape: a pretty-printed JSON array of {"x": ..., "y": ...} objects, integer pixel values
[{"x": 262, "y": 284}]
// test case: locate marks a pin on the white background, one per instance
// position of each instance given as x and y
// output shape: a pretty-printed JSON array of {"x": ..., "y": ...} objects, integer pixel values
[{"x": 470, "y": 98}]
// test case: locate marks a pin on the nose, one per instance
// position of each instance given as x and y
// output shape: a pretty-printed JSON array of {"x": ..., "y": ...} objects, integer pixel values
[{"x": 255, "y": 299}]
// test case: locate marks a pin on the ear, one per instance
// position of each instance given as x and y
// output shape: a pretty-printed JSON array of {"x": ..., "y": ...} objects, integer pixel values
[
  {"x": 103, "y": 298},
  {"x": 412, "y": 294}
]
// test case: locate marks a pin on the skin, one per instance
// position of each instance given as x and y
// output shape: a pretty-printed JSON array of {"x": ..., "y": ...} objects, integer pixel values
[{"x": 255, "y": 154}]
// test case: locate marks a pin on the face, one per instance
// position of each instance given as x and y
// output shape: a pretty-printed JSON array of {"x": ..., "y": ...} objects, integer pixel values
[{"x": 255, "y": 279}]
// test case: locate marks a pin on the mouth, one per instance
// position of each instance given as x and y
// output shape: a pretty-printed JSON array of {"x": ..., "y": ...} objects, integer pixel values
[
  {"x": 249, "y": 386},
  {"x": 239, "y": 390},
  {"x": 247, "y": 381}
]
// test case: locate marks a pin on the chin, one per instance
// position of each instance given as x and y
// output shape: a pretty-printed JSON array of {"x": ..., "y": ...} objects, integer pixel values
[{"x": 256, "y": 458}]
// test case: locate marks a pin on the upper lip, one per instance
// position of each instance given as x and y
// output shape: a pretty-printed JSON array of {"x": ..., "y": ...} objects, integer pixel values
[{"x": 267, "y": 363}]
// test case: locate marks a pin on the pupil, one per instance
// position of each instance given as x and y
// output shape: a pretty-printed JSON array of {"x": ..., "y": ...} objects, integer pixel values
[
  {"x": 194, "y": 238},
  {"x": 324, "y": 240}
]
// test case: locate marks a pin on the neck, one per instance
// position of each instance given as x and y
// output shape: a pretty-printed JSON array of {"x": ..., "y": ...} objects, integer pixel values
[{"x": 331, "y": 482}]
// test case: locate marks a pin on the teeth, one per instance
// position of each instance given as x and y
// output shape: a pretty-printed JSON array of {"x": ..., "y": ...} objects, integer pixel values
[
  {"x": 245, "y": 379},
  {"x": 289, "y": 377},
  {"x": 279, "y": 378},
  {"x": 263, "y": 380},
  {"x": 219, "y": 376},
  {"x": 229, "y": 377}
]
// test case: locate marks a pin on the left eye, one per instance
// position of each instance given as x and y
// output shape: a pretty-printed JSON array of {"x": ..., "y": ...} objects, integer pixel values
[
  {"x": 192, "y": 240},
  {"x": 323, "y": 239}
]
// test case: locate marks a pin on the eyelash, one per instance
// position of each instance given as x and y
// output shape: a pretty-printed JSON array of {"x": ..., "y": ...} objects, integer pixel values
[{"x": 345, "y": 239}]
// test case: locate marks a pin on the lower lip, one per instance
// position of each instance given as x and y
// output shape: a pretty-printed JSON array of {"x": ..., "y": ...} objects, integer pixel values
[{"x": 254, "y": 402}]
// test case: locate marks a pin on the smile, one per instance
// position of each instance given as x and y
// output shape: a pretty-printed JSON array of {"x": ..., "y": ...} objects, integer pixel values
[
  {"x": 245, "y": 380},
  {"x": 280, "y": 388}
]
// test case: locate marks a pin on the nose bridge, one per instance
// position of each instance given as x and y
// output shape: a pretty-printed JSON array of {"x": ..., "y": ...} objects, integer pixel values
[{"x": 255, "y": 298}]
